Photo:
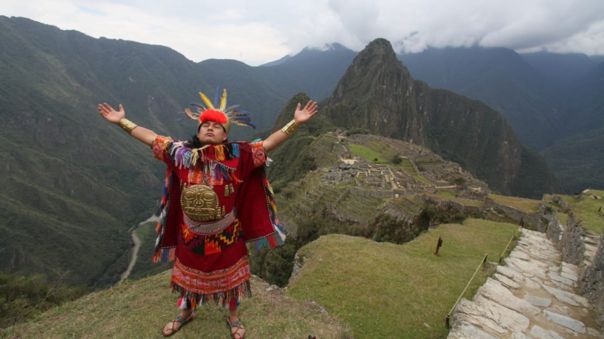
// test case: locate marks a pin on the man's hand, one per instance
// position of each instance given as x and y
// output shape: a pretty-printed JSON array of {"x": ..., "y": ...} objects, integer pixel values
[
  {"x": 301, "y": 115},
  {"x": 110, "y": 114}
]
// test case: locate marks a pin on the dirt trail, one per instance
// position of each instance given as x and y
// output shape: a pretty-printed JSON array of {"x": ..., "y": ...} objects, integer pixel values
[{"x": 136, "y": 247}]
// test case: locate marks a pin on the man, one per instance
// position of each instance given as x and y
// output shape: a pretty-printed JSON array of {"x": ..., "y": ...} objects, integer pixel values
[{"x": 216, "y": 198}]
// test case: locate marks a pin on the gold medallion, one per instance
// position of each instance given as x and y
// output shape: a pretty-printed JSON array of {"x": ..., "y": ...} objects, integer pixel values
[{"x": 200, "y": 203}]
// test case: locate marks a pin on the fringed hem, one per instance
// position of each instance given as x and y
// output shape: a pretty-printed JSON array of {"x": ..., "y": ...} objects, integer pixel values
[
  {"x": 270, "y": 241},
  {"x": 164, "y": 255},
  {"x": 244, "y": 290}
]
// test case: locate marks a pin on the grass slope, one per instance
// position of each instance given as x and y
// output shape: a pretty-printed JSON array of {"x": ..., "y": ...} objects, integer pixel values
[
  {"x": 383, "y": 290},
  {"x": 521, "y": 204},
  {"x": 139, "y": 309},
  {"x": 588, "y": 208}
]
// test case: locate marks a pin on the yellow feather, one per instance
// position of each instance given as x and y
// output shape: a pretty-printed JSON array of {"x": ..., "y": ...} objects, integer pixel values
[
  {"x": 206, "y": 101},
  {"x": 223, "y": 100},
  {"x": 194, "y": 158}
]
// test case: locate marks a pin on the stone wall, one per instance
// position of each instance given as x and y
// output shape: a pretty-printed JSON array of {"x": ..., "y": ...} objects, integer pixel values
[
  {"x": 453, "y": 207},
  {"x": 592, "y": 281},
  {"x": 570, "y": 240},
  {"x": 533, "y": 221},
  {"x": 571, "y": 244},
  {"x": 396, "y": 227},
  {"x": 554, "y": 229},
  {"x": 567, "y": 238}
]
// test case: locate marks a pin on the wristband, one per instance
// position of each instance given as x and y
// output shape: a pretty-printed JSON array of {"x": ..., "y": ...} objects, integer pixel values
[
  {"x": 127, "y": 125},
  {"x": 290, "y": 128}
]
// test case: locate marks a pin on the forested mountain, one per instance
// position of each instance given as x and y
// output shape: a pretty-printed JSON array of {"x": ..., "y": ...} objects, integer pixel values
[
  {"x": 377, "y": 93},
  {"x": 578, "y": 159},
  {"x": 72, "y": 184},
  {"x": 552, "y": 101},
  {"x": 502, "y": 79}
]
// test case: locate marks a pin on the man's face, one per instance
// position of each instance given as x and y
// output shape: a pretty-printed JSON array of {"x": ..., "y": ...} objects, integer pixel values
[{"x": 211, "y": 132}]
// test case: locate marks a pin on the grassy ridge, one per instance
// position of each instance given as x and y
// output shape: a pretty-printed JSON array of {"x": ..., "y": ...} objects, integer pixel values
[
  {"x": 386, "y": 290},
  {"x": 366, "y": 153},
  {"x": 588, "y": 208},
  {"x": 139, "y": 309},
  {"x": 522, "y": 204}
]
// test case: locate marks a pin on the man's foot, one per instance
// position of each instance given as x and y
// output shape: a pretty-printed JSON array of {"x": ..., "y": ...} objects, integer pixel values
[
  {"x": 176, "y": 324},
  {"x": 237, "y": 329}
]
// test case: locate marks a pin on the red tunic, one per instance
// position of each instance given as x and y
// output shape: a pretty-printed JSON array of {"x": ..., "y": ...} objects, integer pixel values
[{"x": 211, "y": 257}]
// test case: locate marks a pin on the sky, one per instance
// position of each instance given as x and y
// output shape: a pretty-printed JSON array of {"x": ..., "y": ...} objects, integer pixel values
[{"x": 260, "y": 31}]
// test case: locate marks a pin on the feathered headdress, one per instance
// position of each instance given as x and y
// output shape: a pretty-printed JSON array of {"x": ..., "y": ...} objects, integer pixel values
[{"x": 219, "y": 112}]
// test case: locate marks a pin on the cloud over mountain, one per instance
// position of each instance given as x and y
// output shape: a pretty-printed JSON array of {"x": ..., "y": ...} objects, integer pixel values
[{"x": 267, "y": 30}]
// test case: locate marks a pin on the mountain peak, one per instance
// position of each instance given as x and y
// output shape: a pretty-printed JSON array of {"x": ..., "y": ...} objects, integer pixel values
[
  {"x": 379, "y": 52},
  {"x": 336, "y": 46},
  {"x": 380, "y": 44},
  {"x": 378, "y": 94},
  {"x": 375, "y": 68},
  {"x": 373, "y": 84}
]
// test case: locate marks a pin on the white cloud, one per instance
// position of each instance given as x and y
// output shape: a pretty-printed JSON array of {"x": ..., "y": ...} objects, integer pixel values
[
  {"x": 199, "y": 33},
  {"x": 261, "y": 31},
  {"x": 590, "y": 41}
]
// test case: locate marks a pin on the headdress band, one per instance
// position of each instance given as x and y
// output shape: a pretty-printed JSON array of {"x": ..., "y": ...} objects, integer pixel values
[{"x": 219, "y": 112}]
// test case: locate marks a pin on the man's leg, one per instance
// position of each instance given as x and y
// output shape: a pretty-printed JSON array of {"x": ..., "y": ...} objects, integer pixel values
[
  {"x": 237, "y": 329},
  {"x": 186, "y": 312}
]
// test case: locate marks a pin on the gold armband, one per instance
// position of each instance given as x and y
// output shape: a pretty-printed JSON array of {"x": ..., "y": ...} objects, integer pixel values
[
  {"x": 127, "y": 125},
  {"x": 290, "y": 128}
]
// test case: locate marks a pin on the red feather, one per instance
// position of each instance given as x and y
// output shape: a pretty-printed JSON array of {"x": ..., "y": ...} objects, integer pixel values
[{"x": 212, "y": 115}]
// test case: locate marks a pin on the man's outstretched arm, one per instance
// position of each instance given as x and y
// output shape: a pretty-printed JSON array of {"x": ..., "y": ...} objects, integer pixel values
[
  {"x": 118, "y": 117},
  {"x": 301, "y": 115}
]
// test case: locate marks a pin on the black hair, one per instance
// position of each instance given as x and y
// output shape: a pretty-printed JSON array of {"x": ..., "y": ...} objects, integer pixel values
[{"x": 194, "y": 142}]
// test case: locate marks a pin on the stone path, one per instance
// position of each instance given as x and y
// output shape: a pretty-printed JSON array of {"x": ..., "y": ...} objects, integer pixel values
[
  {"x": 591, "y": 242},
  {"x": 531, "y": 296}
]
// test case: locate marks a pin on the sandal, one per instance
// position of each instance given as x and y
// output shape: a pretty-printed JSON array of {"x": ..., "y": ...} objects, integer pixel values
[
  {"x": 173, "y": 327},
  {"x": 237, "y": 329}
]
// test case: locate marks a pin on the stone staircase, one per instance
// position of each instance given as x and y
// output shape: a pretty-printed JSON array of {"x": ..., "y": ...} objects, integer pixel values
[{"x": 532, "y": 296}]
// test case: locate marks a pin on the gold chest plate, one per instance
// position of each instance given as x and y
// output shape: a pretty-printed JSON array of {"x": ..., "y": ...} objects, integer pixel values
[{"x": 200, "y": 203}]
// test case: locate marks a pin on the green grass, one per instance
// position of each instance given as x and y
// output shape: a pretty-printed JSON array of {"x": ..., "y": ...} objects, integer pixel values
[
  {"x": 522, "y": 204},
  {"x": 366, "y": 153},
  {"x": 385, "y": 156},
  {"x": 586, "y": 209},
  {"x": 468, "y": 202},
  {"x": 383, "y": 290},
  {"x": 448, "y": 195},
  {"x": 562, "y": 217},
  {"x": 408, "y": 168},
  {"x": 140, "y": 309}
]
